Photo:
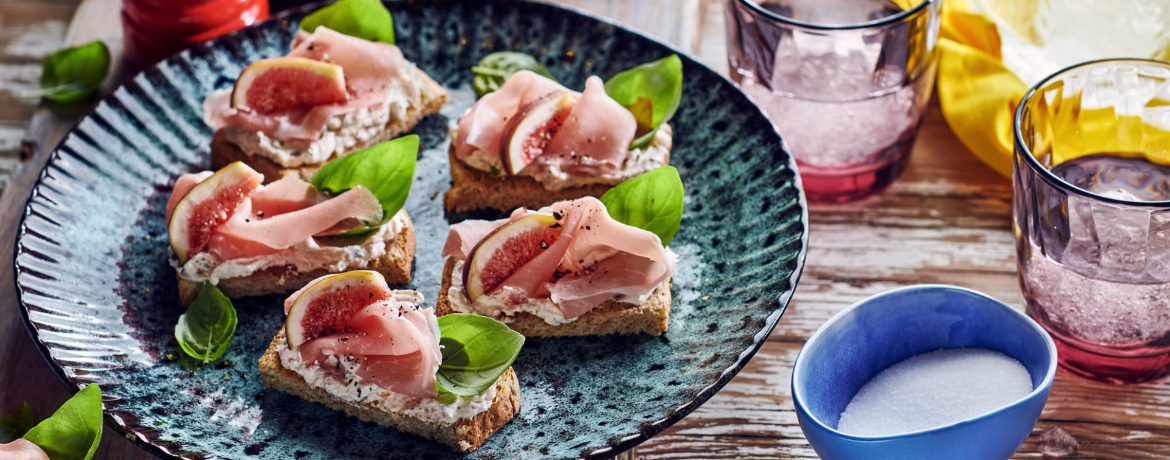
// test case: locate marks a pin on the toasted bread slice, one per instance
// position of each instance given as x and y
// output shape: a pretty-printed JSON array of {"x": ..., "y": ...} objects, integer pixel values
[
  {"x": 473, "y": 189},
  {"x": 223, "y": 152},
  {"x": 463, "y": 436},
  {"x": 610, "y": 318},
  {"x": 394, "y": 265}
]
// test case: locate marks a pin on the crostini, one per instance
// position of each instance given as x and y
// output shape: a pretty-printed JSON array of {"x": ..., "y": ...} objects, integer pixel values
[
  {"x": 333, "y": 94},
  {"x": 249, "y": 239},
  {"x": 354, "y": 345},
  {"x": 534, "y": 142},
  {"x": 569, "y": 269}
]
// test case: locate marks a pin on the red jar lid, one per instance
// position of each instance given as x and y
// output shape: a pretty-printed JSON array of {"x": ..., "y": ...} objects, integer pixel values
[{"x": 155, "y": 29}]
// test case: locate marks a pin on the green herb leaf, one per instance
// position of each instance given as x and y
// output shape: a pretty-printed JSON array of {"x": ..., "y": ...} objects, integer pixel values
[
  {"x": 651, "y": 92},
  {"x": 72, "y": 74},
  {"x": 476, "y": 351},
  {"x": 494, "y": 69},
  {"x": 368, "y": 19},
  {"x": 13, "y": 426},
  {"x": 387, "y": 169},
  {"x": 652, "y": 201},
  {"x": 75, "y": 430},
  {"x": 206, "y": 329}
]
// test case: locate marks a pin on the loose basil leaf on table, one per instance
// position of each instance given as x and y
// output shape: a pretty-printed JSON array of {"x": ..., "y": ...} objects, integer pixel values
[
  {"x": 652, "y": 202},
  {"x": 206, "y": 329},
  {"x": 651, "y": 92},
  {"x": 386, "y": 169},
  {"x": 75, "y": 430},
  {"x": 367, "y": 19},
  {"x": 13, "y": 426},
  {"x": 476, "y": 352},
  {"x": 495, "y": 69},
  {"x": 72, "y": 74}
]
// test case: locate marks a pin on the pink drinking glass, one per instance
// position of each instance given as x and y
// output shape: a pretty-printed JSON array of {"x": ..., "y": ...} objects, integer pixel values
[
  {"x": 846, "y": 82},
  {"x": 1091, "y": 182}
]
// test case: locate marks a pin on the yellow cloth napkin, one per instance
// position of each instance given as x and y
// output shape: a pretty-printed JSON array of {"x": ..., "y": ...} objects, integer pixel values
[{"x": 977, "y": 93}]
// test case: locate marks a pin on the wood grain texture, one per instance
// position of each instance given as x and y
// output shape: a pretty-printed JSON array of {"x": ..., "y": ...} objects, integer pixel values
[{"x": 946, "y": 221}]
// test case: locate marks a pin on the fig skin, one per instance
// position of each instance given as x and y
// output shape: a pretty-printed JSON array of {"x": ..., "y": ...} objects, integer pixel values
[{"x": 560, "y": 101}]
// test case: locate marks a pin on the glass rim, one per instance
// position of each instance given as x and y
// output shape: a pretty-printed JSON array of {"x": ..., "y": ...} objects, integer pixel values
[
  {"x": 861, "y": 25},
  {"x": 1046, "y": 174}
]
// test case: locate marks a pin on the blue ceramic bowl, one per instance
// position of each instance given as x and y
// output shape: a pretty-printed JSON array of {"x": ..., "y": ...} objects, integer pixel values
[{"x": 866, "y": 338}]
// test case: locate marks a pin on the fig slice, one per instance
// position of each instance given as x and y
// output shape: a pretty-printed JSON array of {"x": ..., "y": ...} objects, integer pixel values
[
  {"x": 528, "y": 132},
  {"x": 208, "y": 205},
  {"x": 330, "y": 300},
  {"x": 507, "y": 249},
  {"x": 277, "y": 84}
]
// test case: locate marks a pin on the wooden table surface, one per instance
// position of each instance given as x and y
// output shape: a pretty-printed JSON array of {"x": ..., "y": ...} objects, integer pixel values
[{"x": 947, "y": 220}]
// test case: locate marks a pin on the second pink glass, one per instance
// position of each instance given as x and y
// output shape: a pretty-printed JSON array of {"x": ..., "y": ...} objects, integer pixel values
[{"x": 845, "y": 81}]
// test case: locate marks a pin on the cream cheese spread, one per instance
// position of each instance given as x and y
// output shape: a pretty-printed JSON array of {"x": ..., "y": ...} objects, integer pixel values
[
  {"x": 342, "y": 132},
  {"x": 306, "y": 256},
  {"x": 550, "y": 174},
  {"x": 359, "y": 391}
]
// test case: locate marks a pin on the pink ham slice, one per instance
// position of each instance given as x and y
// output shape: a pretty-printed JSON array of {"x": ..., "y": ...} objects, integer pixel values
[
  {"x": 603, "y": 257},
  {"x": 278, "y": 215},
  {"x": 594, "y": 139},
  {"x": 393, "y": 343},
  {"x": 481, "y": 127},
  {"x": 22, "y": 449},
  {"x": 369, "y": 67},
  {"x": 246, "y": 233},
  {"x": 285, "y": 195},
  {"x": 596, "y": 136}
]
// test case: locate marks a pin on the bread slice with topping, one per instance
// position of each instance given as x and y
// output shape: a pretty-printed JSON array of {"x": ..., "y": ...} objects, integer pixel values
[
  {"x": 464, "y": 435},
  {"x": 394, "y": 265},
  {"x": 609, "y": 318},
  {"x": 225, "y": 152},
  {"x": 474, "y": 189}
]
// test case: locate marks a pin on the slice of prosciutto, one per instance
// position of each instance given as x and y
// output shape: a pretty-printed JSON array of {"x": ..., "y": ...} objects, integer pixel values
[
  {"x": 391, "y": 343},
  {"x": 595, "y": 259},
  {"x": 370, "y": 69},
  {"x": 279, "y": 215},
  {"x": 595, "y": 137}
]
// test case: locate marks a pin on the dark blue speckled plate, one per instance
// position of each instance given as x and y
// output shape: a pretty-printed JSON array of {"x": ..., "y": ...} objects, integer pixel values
[{"x": 100, "y": 298}]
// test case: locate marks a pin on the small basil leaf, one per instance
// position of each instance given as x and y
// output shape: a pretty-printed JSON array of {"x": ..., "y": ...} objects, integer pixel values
[
  {"x": 367, "y": 19},
  {"x": 206, "y": 329},
  {"x": 476, "y": 352},
  {"x": 652, "y": 202},
  {"x": 72, "y": 74},
  {"x": 494, "y": 69},
  {"x": 75, "y": 430},
  {"x": 651, "y": 92},
  {"x": 387, "y": 169},
  {"x": 13, "y": 426}
]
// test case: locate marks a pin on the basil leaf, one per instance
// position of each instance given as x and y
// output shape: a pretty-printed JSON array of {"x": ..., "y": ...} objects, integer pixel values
[
  {"x": 72, "y": 74},
  {"x": 75, "y": 430},
  {"x": 367, "y": 19},
  {"x": 651, "y": 92},
  {"x": 13, "y": 426},
  {"x": 494, "y": 69},
  {"x": 206, "y": 329},
  {"x": 387, "y": 169},
  {"x": 652, "y": 201},
  {"x": 476, "y": 352}
]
